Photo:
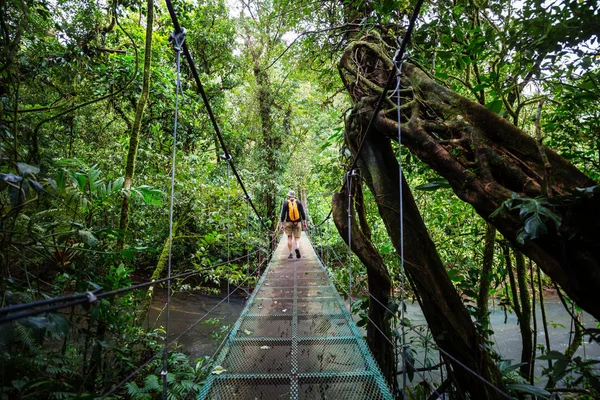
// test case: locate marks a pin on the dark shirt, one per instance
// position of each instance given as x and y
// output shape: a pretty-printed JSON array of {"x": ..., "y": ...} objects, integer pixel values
[{"x": 285, "y": 215}]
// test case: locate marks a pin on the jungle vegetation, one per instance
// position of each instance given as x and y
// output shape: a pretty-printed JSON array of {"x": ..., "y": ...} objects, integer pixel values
[{"x": 498, "y": 107}]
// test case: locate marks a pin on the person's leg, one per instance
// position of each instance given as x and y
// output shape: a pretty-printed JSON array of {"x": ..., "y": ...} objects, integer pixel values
[
  {"x": 289, "y": 232},
  {"x": 297, "y": 234}
]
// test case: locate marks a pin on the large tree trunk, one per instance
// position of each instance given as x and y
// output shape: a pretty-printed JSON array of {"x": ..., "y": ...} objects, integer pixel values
[
  {"x": 448, "y": 319},
  {"x": 380, "y": 284},
  {"x": 485, "y": 280},
  {"x": 162, "y": 263},
  {"x": 269, "y": 139},
  {"x": 486, "y": 159},
  {"x": 527, "y": 352},
  {"x": 134, "y": 137}
]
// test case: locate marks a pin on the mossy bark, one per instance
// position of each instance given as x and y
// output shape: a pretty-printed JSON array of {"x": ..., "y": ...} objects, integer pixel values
[
  {"x": 134, "y": 137},
  {"x": 379, "y": 283},
  {"x": 446, "y": 315},
  {"x": 486, "y": 159},
  {"x": 485, "y": 279},
  {"x": 270, "y": 143},
  {"x": 158, "y": 271}
]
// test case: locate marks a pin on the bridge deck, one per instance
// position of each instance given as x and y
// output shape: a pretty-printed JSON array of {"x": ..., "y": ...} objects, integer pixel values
[{"x": 295, "y": 340}]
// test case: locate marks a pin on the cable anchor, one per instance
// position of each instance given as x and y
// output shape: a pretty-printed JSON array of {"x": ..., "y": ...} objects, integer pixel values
[
  {"x": 177, "y": 39},
  {"x": 226, "y": 157},
  {"x": 91, "y": 298}
]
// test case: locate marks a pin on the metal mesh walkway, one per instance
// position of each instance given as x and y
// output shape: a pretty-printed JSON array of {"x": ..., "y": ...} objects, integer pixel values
[{"x": 295, "y": 340}]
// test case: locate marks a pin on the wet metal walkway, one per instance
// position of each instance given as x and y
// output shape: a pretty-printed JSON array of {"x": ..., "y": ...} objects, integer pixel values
[{"x": 295, "y": 340}]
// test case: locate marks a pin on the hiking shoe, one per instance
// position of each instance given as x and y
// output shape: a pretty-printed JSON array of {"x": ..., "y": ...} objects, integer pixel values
[
  {"x": 297, "y": 253},
  {"x": 291, "y": 255}
]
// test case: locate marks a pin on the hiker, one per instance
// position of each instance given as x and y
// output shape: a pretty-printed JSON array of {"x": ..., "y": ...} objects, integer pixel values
[{"x": 292, "y": 214}]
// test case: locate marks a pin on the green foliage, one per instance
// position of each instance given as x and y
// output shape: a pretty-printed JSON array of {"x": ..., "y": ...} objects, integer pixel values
[
  {"x": 572, "y": 372},
  {"x": 61, "y": 163},
  {"x": 536, "y": 215},
  {"x": 515, "y": 382},
  {"x": 182, "y": 379}
]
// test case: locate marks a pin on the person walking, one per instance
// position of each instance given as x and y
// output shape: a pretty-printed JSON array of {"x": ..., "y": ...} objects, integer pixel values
[{"x": 292, "y": 215}]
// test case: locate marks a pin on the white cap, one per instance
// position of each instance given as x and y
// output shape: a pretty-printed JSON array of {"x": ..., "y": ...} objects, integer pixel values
[{"x": 291, "y": 193}]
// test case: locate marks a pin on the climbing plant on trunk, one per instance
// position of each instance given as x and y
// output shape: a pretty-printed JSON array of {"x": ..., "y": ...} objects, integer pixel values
[
  {"x": 379, "y": 281},
  {"x": 442, "y": 307},
  {"x": 492, "y": 165},
  {"x": 134, "y": 137}
]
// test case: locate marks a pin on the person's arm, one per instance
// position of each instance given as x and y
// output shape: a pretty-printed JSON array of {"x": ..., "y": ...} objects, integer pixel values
[
  {"x": 302, "y": 214},
  {"x": 282, "y": 216}
]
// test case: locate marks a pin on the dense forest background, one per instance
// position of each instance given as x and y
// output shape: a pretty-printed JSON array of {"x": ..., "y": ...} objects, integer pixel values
[{"x": 87, "y": 102}]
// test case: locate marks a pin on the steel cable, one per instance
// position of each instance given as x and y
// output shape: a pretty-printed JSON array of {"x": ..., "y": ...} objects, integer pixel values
[
  {"x": 92, "y": 296},
  {"x": 200, "y": 89},
  {"x": 442, "y": 351},
  {"x": 169, "y": 344}
]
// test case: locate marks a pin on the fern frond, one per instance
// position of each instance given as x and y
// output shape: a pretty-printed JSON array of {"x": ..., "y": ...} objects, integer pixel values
[
  {"x": 24, "y": 335},
  {"x": 151, "y": 383},
  {"x": 134, "y": 390}
]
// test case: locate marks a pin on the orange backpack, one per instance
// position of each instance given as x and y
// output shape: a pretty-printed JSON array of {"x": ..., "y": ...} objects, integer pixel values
[{"x": 293, "y": 210}]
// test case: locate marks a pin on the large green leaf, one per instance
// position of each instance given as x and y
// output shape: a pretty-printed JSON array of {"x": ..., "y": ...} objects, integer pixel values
[
  {"x": 434, "y": 184},
  {"x": 552, "y": 355},
  {"x": 529, "y": 389},
  {"x": 494, "y": 105},
  {"x": 149, "y": 194},
  {"x": 88, "y": 238}
]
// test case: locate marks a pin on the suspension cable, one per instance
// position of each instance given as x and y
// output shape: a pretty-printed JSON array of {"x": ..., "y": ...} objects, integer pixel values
[
  {"x": 398, "y": 65},
  {"x": 228, "y": 160},
  {"x": 177, "y": 39},
  {"x": 444, "y": 352},
  {"x": 91, "y": 297},
  {"x": 326, "y": 218},
  {"x": 349, "y": 211},
  {"x": 200, "y": 90},
  {"x": 246, "y": 242}
]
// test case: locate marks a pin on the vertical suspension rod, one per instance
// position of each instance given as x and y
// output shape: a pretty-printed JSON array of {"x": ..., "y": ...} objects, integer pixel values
[{"x": 351, "y": 174}]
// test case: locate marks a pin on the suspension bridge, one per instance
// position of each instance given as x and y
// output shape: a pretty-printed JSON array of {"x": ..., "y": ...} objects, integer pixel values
[{"x": 295, "y": 339}]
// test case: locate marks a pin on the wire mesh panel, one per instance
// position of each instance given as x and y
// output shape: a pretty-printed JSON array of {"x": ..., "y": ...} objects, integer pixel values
[
  {"x": 271, "y": 326},
  {"x": 323, "y": 355},
  {"x": 260, "y": 357},
  {"x": 248, "y": 387},
  {"x": 262, "y": 306},
  {"x": 295, "y": 340},
  {"x": 313, "y": 292},
  {"x": 341, "y": 386},
  {"x": 323, "y": 325}
]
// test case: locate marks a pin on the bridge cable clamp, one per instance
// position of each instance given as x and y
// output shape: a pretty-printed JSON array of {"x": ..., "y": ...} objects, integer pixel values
[
  {"x": 177, "y": 39},
  {"x": 226, "y": 157},
  {"x": 91, "y": 298}
]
